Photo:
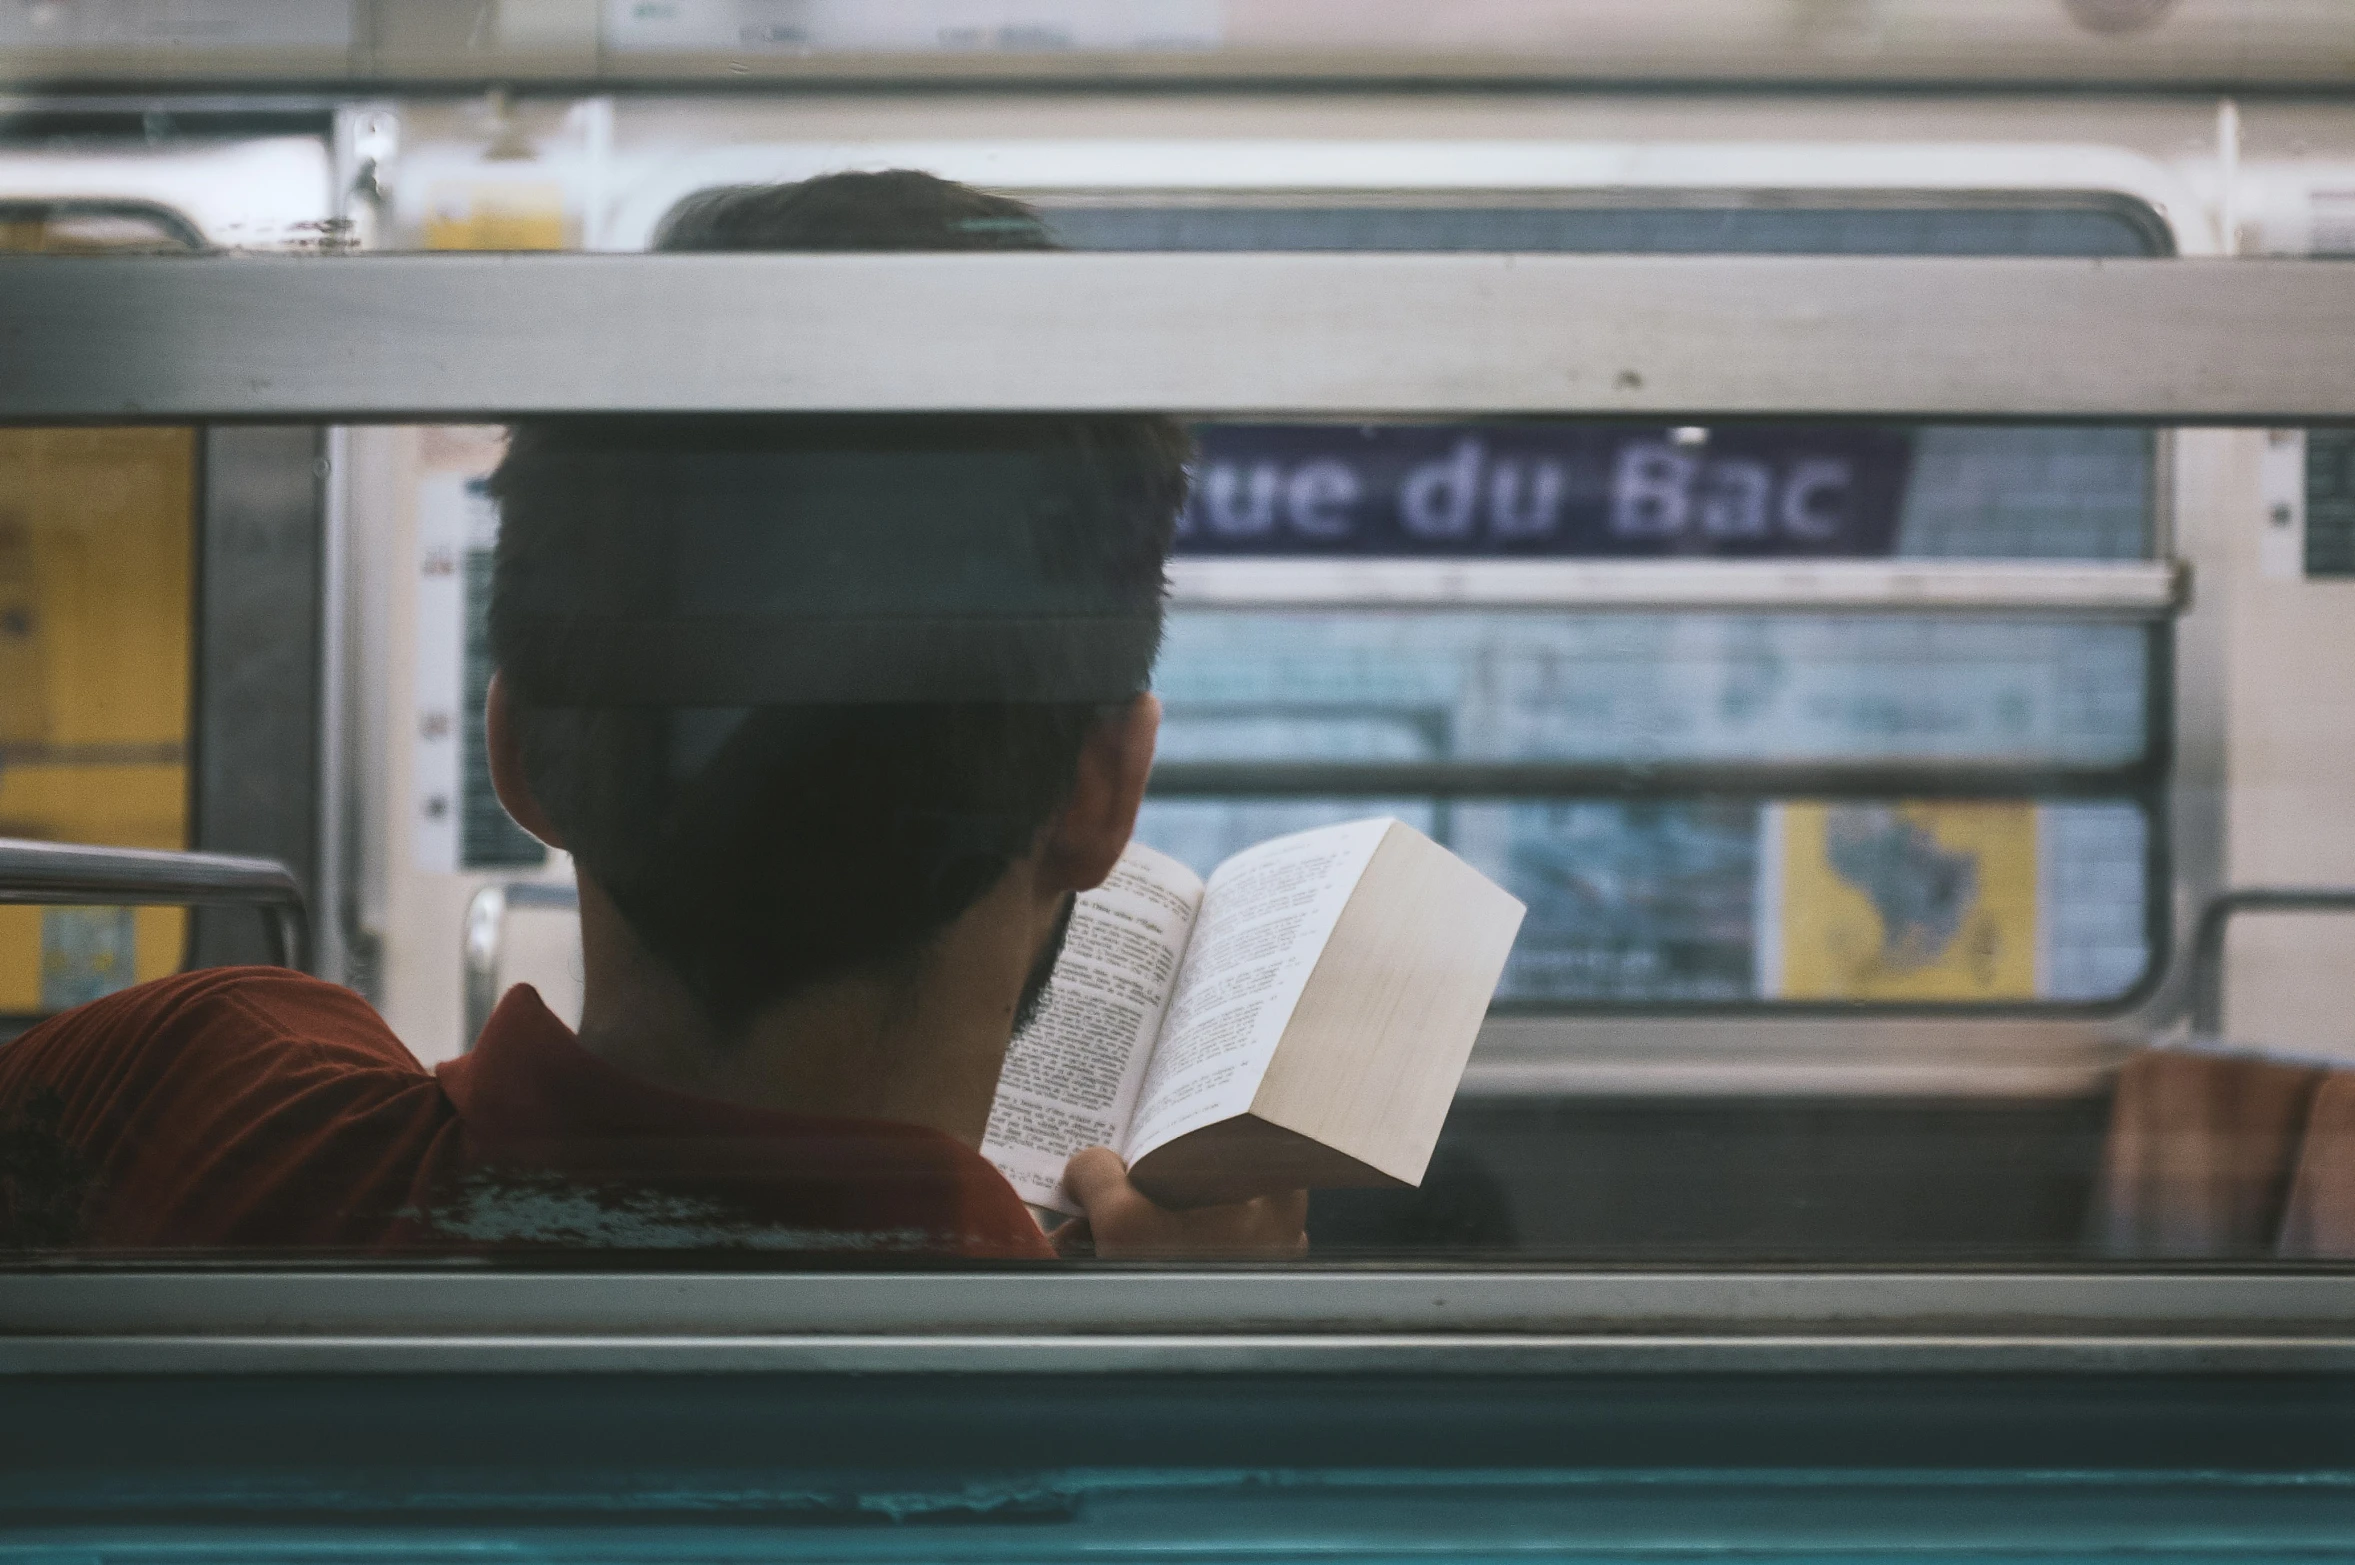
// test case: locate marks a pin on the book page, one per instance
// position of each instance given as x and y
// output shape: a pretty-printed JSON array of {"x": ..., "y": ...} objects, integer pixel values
[
  {"x": 1266, "y": 916},
  {"x": 1072, "y": 1076}
]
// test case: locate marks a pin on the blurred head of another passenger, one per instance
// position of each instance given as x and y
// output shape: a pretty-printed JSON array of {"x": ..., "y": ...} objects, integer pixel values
[{"x": 801, "y": 693}]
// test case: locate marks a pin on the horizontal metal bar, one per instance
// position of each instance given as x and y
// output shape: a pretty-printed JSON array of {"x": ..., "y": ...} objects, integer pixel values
[
  {"x": 476, "y": 336},
  {"x": 1621, "y": 1076},
  {"x": 2207, "y": 962},
  {"x": 1880, "y": 777},
  {"x": 59, "y": 873},
  {"x": 116, "y": 1300},
  {"x": 1762, "y": 1054},
  {"x": 74, "y": 872},
  {"x": 1119, "y": 1353},
  {"x": 2248, "y": 47},
  {"x": 1176, "y": 1319},
  {"x": 2129, "y": 589}
]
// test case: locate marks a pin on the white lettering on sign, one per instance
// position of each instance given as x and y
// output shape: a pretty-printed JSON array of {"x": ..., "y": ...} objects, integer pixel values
[
  {"x": 1319, "y": 497},
  {"x": 1804, "y": 513},
  {"x": 1438, "y": 499},
  {"x": 1660, "y": 492},
  {"x": 1250, "y": 514},
  {"x": 1512, "y": 516},
  {"x": 1734, "y": 497},
  {"x": 1652, "y": 491}
]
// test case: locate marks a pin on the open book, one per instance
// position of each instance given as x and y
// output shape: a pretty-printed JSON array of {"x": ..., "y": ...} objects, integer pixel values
[{"x": 1300, "y": 1020}]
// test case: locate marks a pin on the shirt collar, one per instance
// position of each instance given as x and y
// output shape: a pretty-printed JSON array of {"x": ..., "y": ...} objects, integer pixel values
[{"x": 564, "y": 1147}]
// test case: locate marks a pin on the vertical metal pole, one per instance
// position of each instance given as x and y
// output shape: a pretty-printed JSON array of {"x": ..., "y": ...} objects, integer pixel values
[
  {"x": 486, "y": 934},
  {"x": 256, "y": 751},
  {"x": 331, "y": 898}
]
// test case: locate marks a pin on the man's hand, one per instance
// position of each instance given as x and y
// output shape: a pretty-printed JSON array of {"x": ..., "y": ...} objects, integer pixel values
[{"x": 1123, "y": 1222}]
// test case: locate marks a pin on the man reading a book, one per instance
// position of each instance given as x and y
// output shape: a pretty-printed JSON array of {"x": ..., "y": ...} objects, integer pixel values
[{"x": 836, "y": 715}]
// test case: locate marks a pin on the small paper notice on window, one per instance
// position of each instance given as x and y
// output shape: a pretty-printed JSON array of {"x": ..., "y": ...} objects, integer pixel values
[{"x": 2281, "y": 506}]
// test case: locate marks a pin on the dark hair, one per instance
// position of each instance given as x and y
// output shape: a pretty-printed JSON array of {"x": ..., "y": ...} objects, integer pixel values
[{"x": 761, "y": 847}]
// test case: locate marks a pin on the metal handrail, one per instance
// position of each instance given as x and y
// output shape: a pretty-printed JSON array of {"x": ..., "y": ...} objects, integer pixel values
[
  {"x": 2130, "y": 591},
  {"x": 2207, "y": 962},
  {"x": 486, "y": 939},
  {"x": 77, "y": 874}
]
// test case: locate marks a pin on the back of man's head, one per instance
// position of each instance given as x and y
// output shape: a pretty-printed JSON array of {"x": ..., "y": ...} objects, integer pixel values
[{"x": 797, "y": 690}]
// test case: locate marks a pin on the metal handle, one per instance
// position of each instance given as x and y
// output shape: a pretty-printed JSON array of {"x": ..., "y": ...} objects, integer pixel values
[
  {"x": 486, "y": 940},
  {"x": 2207, "y": 961},
  {"x": 76, "y": 874}
]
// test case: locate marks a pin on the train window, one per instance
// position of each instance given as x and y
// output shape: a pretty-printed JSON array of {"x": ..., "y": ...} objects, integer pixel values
[
  {"x": 1391, "y": 853},
  {"x": 1503, "y": 713},
  {"x": 1847, "y": 734},
  {"x": 2047, "y": 897},
  {"x": 1503, "y": 717},
  {"x": 96, "y": 556}
]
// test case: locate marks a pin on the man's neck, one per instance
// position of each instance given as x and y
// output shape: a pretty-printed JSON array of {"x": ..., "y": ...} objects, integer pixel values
[{"x": 918, "y": 1047}]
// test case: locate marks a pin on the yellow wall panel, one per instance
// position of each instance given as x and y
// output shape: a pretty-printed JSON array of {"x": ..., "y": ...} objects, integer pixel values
[
  {"x": 20, "y": 960},
  {"x": 96, "y": 582},
  {"x": 100, "y": 520}
]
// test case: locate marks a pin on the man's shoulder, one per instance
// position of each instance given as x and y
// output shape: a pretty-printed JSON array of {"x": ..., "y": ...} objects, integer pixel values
[
  {"x": 233, "y": 1106},
  {"x": 214, "y": 1017}
]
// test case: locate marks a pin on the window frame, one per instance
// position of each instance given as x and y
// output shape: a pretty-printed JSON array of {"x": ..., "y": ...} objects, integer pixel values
[
  {"x": 2028, "y": 1049},
  {"x": 1618, "y": 585},
  {"x": 2148, "y": 593},
  {"x": 139, "y": 1316},
  {"x": 1186, "y": 1320},
  {"x": 327, "y": 356}
]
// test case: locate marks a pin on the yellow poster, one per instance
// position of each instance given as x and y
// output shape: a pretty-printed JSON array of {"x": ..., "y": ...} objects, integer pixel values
[
  {"x": 1898, "y": 902},
  {"x": 496, "y": 215},
  {"x": 96, "y": 555}
]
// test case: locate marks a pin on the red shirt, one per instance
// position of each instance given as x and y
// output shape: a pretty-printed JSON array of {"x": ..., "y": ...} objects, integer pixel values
[{"x": 255, "y": 1108}]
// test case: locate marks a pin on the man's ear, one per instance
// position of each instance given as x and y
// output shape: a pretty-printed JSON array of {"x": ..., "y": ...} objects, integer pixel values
[
  {"x": 508, "y": 779},
  {"x": 1084, "y": 841}
]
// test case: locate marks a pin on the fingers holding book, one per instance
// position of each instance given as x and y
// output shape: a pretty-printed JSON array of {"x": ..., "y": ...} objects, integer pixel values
[{"x": 1121, "y": 1222}]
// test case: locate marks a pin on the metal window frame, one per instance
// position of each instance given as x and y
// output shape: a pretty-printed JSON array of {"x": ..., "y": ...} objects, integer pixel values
[
  {"x": 448, "y": 337},
  {"x": 241, "y": 170},
  {"x": 372, "y": 339},
  {"x": 1881, "y": 1055},
  {"x": 2146, "y": 592},
  {"x": 1253, "y": 191},
  {"x": 2133, "y": 590},
  {"x": 647, "y": 184},
  {"x": 261, "y": 691},
  {"x": 2206, "y": 980},
  {"x": 1176, "y": 1319},
  {"x": 456, "y": 338},
  {"x": 1531, "y": 1046}
]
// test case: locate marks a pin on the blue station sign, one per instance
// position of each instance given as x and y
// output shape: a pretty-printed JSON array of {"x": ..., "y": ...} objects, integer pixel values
[{"x": 1594, "y": 490}]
